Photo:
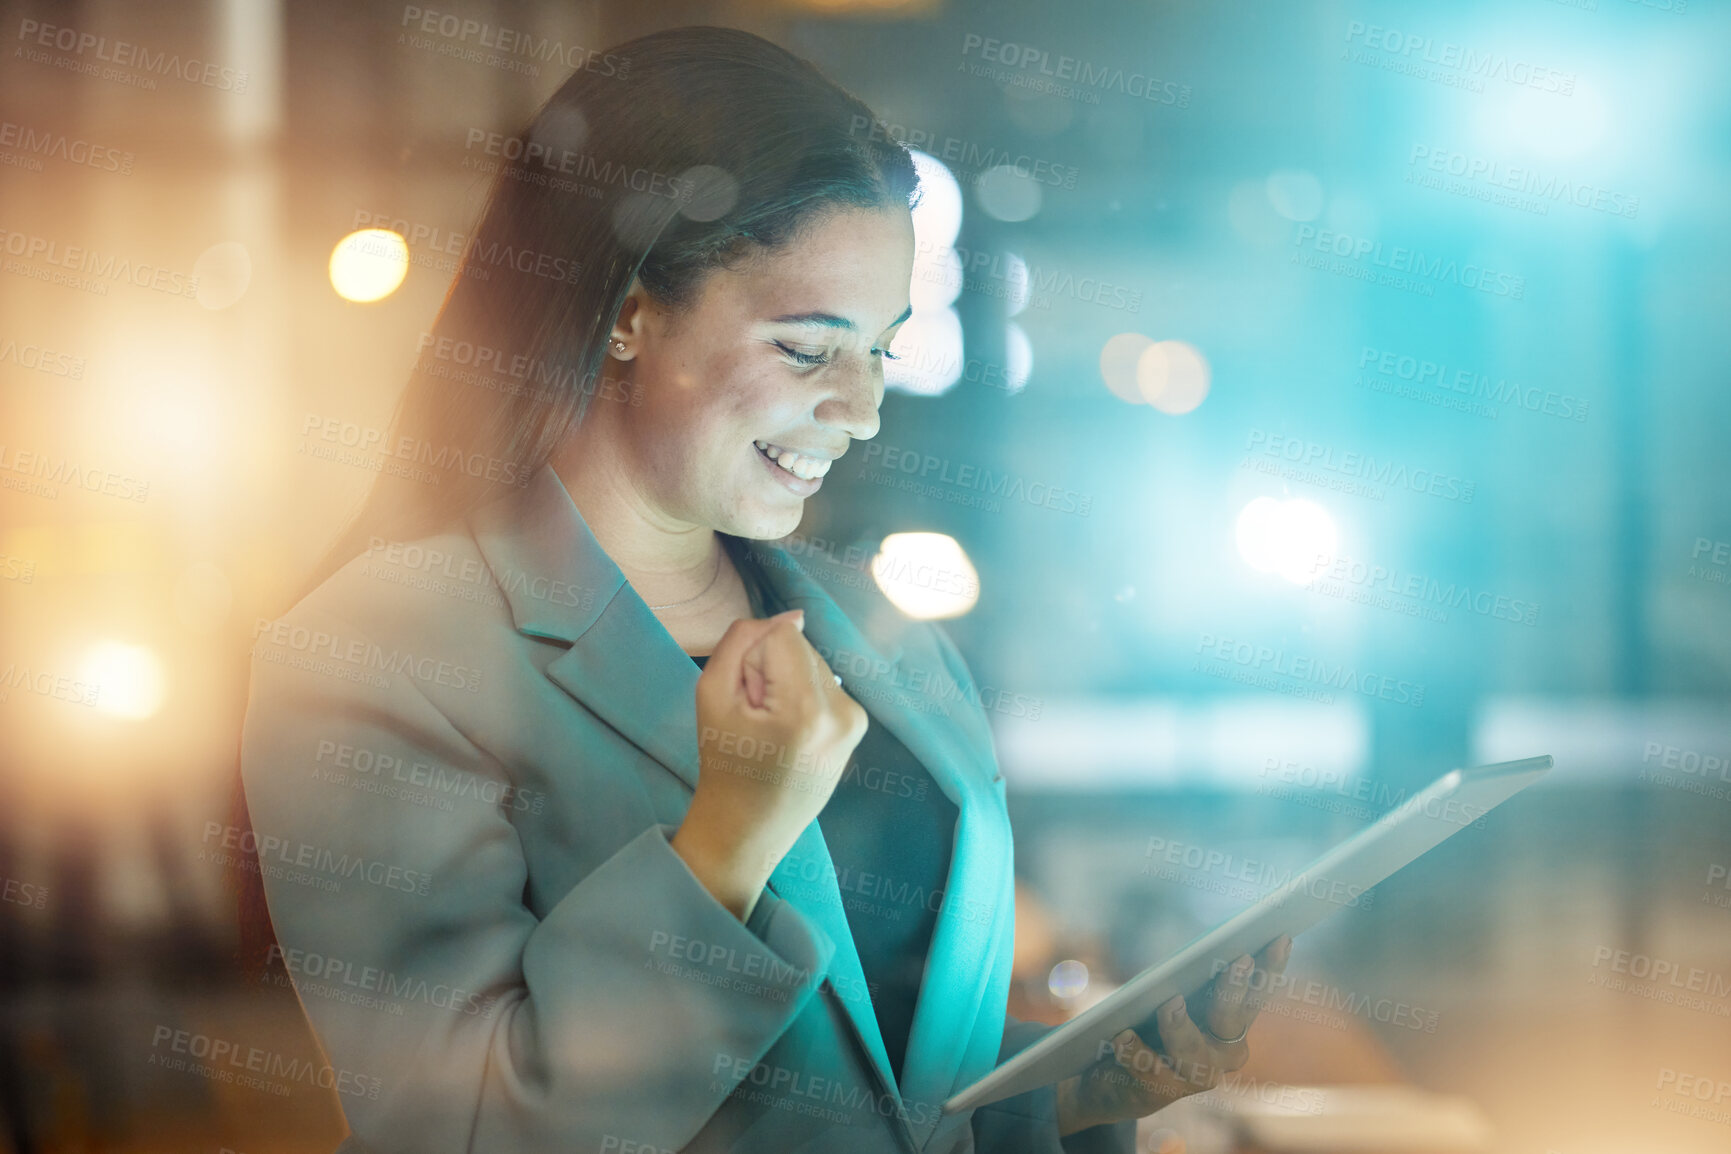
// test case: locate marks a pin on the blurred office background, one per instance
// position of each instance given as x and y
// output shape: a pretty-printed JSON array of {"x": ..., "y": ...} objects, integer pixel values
[{"x": 1208, "y": 291}]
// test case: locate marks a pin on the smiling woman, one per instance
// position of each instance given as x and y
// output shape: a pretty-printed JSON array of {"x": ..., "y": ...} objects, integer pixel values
[
  {"x": 632, "y": 931},
  {"x": 719, "y": 217}
]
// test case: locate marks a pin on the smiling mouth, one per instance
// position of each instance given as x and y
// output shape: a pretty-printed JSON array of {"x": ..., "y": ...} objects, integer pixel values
[{"x": 801, "y": 466}]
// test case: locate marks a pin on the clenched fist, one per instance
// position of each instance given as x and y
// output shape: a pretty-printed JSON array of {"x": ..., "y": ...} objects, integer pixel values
[{"x": 775, "y": 731}]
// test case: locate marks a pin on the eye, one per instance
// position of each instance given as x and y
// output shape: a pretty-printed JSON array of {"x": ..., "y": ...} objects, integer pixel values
[
  {"x": 885, "y": 354},
  {"x": 804, "y": 359}
]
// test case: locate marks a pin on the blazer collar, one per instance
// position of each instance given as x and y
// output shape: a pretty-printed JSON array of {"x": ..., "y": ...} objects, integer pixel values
[
  {"x": 552, "y": 572},
  {"x": 562, "y": 586}
]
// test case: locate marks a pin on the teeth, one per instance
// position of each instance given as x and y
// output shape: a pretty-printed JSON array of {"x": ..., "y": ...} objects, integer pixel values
[{"x": 807, "y": 468}]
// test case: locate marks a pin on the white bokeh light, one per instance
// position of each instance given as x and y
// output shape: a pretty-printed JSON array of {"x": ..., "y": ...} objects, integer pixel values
[
  {"x": 1173, "y": 376},
  {"x": 938, "y": 215},
  {"x": 926, "y": 575},
  {"x": 937, "y": 279},
  {"x": 369, "y": 265},
  {"x": 129, "y": 679},
  {"x": 1291, "y": 537},
  {"x": 937, "y": 222},
  {"x": 1118, "y": 360},
  {"x": 1068, "y": 980},
  {"x": 1525, "y": 123},
  {"x": 1007, "y": 194},
  {"x": 1018, "y": 358},
  {"x": 929, "y": 345},
  {"x": 930, "y": 341},
  {"x": 1017, "y": 283}
]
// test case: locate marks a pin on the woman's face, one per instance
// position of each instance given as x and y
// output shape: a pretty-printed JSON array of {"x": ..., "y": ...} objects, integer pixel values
[{"x": 784, "y": 350}]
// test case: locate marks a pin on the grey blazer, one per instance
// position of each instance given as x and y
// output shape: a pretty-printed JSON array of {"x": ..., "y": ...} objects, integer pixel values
[{"x": 463, "y": 758}]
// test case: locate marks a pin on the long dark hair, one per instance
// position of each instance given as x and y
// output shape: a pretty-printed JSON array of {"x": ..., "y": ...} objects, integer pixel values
[{"x": 662, "y": 159}]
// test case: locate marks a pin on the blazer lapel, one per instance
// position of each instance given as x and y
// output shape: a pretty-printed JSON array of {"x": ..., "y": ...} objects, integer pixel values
[
  {"x": 625, "y": 667},
  {"x": 958, "y": 1020},
  {"x": 628, "y": 671}
]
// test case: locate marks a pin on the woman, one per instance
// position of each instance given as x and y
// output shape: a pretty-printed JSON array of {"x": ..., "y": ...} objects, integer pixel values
[{"x": 543, "y": 884}]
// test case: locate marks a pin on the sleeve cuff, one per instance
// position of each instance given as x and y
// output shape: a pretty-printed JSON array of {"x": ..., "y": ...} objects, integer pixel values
[{"x": 789, "y": 934}]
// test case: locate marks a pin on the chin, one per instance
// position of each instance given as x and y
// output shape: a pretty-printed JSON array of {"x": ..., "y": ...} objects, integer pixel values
[{"x": 765, "y": 524}]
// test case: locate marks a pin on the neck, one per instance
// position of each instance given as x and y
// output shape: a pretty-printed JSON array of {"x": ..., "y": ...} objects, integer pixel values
[{"x": 664, "y": 558}]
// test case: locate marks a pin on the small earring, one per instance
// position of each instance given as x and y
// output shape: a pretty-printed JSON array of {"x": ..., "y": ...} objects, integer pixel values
[{"x": 618, "y": 347}]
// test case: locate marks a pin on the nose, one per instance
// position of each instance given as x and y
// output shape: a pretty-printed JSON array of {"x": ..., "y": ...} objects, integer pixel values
[{"x": 856, "y": 391}]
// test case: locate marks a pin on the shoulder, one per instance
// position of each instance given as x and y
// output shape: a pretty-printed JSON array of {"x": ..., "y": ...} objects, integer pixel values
[
  {"x": 436, "y": 585},
  {"x": 427, "y": 614}
]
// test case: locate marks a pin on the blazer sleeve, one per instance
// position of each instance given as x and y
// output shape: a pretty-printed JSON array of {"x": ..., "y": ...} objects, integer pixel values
[
  {"x": 1028, "y": 1123},
  {"x": 451, "y": 1018}
]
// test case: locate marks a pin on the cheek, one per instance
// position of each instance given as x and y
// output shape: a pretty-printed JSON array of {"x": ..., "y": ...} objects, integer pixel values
[
  {"x": 699, "y": 421},
  {"x": 743, "y": 416},
  {"x": 694, "y": 445}
]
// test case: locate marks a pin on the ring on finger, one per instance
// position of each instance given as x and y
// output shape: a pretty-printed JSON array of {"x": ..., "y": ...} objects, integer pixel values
[{"x": 1242, "y": 1034}]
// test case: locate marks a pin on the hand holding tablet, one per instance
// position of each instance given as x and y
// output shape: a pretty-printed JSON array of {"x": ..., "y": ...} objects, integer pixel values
[
  {"x": 1194, "y": 1047},
  {"x": 1439, "y": 811}
]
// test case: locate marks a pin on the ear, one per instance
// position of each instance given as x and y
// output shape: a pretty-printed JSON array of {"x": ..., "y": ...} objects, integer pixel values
[{"x": 631, "y": 326}]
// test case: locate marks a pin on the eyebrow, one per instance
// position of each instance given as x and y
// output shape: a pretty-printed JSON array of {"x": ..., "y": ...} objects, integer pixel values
[{"x": 832, "y": 321}]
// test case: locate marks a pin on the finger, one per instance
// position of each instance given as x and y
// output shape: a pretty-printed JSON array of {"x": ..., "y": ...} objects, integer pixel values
[
  {"x": 811, "y": 665},
  {"x": 1230, "y": 1007},
  {"x": 754, "y": 664},
  {"x": 1158, "y": 1079},
  {"x": 785, "y": 658},
  {"x": 1239, "y": 991},
  {"x": 751, "y": 670},
  {"x": 723, "y": 666},
  {"x": 1143, "y": 1081},
  {"x": 1274, "y": 956},
  {"x": 1270, "y": 964},
  {"x": 755, "y": 668},
  {"x": 1191, "y": 1056},
  {"x": 823, "y": 678}
]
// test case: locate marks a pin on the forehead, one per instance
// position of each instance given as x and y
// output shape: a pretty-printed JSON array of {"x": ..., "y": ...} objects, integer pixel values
[{"x": 851, "y": 263}]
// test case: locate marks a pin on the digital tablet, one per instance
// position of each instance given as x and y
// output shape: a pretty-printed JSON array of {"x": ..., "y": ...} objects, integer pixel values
[{"x": 1440, "y": 810}]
